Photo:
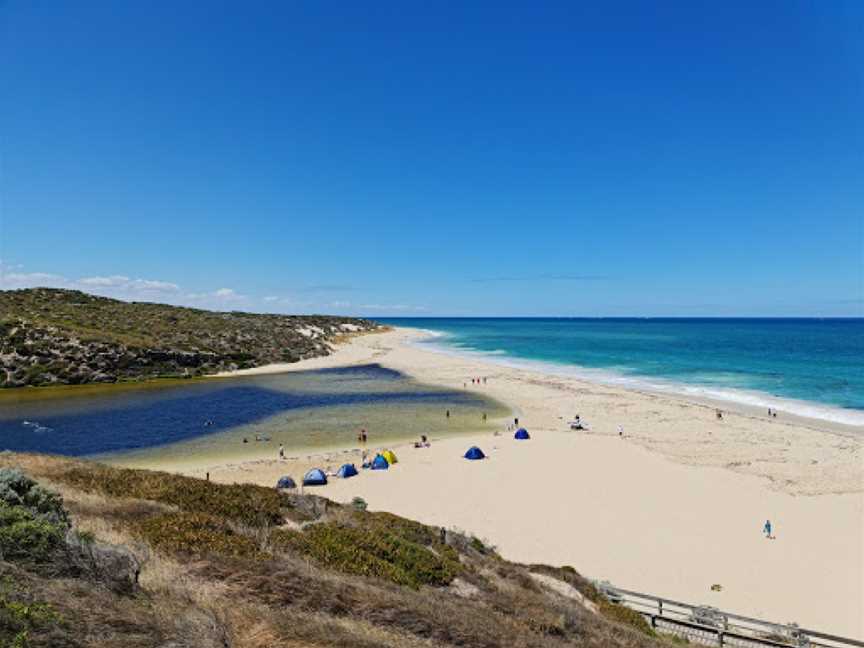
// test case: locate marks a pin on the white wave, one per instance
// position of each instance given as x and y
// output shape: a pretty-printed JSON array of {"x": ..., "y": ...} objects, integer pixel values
[{"x": 750, "y": 398}]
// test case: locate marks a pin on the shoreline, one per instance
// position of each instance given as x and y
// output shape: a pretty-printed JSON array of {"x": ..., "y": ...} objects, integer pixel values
[
  {"x": 671, "y": 508},
  {"x": 811, "y": 441},
  {"x": 347, "y": 355}
]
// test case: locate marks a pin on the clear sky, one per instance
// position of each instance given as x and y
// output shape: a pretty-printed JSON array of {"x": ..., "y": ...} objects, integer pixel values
[{"x": 434, "y": 158}]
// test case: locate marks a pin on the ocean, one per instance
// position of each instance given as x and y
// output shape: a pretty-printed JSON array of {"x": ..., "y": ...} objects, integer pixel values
[{"x": 808, "y": 367}]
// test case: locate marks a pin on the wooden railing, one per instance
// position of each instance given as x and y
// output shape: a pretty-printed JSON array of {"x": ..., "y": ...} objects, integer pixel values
[{"x": 710, "y": 626}]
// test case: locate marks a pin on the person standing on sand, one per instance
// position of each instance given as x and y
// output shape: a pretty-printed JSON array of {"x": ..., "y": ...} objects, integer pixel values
[
  {"x": 767, "y": 530},
  {"x": 281, "y": 451},
  {"x": 620, "y": 430},
  {"x": 447, "y": 414}
]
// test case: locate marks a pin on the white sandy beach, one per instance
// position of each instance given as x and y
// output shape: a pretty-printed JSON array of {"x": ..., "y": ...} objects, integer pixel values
[{"x": 672, "y": 508}]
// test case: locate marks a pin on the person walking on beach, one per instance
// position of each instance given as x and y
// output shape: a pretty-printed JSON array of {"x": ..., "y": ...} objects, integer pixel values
[
  {"x": 447, "y": 414},
  {"x": 281, "y": 451},
  {"x": 767, "y": 530},
  {"x": 620, "y": 430}
]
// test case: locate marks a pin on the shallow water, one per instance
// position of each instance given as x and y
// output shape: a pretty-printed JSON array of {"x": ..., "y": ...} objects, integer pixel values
[{"x": 308, "y": 409}]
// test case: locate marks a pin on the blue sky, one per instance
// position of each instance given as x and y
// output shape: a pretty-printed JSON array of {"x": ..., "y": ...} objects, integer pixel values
[{"x": 415, "y": 158}]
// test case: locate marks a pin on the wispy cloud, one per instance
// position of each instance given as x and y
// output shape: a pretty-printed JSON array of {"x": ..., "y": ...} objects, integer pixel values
[
  {"x": 133, "y": 285},
  {"x": 543, "y": 277}
]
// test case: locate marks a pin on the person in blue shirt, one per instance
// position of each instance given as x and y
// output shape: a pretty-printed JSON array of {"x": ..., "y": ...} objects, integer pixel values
[{"x": 767, "y": 529}]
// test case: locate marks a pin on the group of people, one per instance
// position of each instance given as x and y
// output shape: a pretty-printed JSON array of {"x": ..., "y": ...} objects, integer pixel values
[{"x": 476, "y": 381}]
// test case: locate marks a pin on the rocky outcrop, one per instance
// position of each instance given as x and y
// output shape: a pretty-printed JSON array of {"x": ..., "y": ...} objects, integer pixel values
[{"x": 50, "y": 336}]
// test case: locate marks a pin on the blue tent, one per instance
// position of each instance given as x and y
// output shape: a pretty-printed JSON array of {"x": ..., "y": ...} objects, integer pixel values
[
  {"x": 380, "y": 463},
  {"x": 522, "y": 433},
  {"x": 346, "y": 471},
  {"x": 474, "y": 453},
  {"x": 286, "y": 482},
  {"x": 315, "y": 477}
]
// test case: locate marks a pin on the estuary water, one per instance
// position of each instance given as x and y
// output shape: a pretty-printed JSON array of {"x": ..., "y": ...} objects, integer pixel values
[{"x": 212, "y": 417}]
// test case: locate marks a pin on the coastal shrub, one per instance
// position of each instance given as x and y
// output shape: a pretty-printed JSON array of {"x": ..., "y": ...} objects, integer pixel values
[
  {"x": 26, "y": 537},
  {"x": 371, "y": 552},
  {"x": 197, "y": 534},
  {"x": 33, "y": 522},
  {"x": 17, "y": 489},
  {"x": 617, "y": 612},
  {"x": 247, "y": 504},
  {"x": 20, "y": 618}
]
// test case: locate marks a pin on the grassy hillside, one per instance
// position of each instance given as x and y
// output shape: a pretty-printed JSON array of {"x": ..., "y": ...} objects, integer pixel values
[
  {"x": 134, "y": 558},
  {"x": 52, "y": 336}
]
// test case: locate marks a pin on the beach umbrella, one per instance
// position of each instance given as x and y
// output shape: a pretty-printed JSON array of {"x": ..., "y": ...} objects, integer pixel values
[
  {"x": 521, "y": 434},
  {"x": 474, "y": 453},
  {"x": 389, "y": 456},
  {"x": 315, "y": 477}
]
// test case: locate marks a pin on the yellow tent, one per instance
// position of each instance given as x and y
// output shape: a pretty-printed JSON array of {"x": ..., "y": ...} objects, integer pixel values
[{"x": 389, "y": 456}]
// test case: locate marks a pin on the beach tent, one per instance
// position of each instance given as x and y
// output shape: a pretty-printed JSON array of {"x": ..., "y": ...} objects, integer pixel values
[
  {"x": 380, "y": 463},
  {"x": 474, "y": 453},
  {"x": 389, "y": 456},
  {"x": 521, "y": 434},
  {"x": 346, "y": 471},
  {"x": 315, "y": 477},
  {"x": 286, "y": 482}
]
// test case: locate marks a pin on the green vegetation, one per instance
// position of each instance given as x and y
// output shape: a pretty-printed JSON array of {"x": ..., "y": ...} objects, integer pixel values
[
  {"x": 23, "y": 536},
  {"x": 19, "y": 618},
  {"x": 374, "y": 550},
  {"x": 52, "y": 336},
  {"x": 32, "y": 520},
  {"x": 197, "y": 534},
  {"x": 247, "y": 504}
]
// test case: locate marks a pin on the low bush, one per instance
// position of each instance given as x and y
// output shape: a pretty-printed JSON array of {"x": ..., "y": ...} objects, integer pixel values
[
  {"x": 197, "y": 534},
  {"x": 17, "y": 489},
  {"x": 373, "y": 552},
  {"x": 619, "y": 613},
  {"x": 19, "y": 618},
  {"x": 247, "y": 504},
  {"x": 26, "y": 537},
  {"x": 33, "y": 522}
]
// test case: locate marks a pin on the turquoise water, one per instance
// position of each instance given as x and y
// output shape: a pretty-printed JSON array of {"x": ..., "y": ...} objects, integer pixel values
[{"x": 811, "y": 367}]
